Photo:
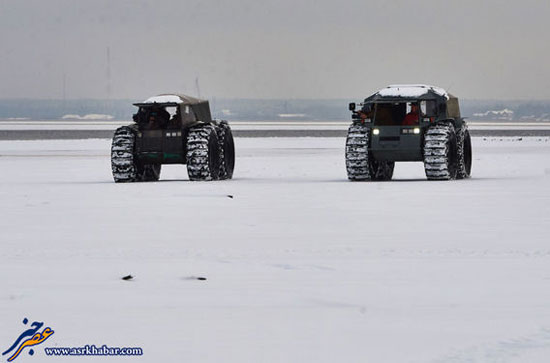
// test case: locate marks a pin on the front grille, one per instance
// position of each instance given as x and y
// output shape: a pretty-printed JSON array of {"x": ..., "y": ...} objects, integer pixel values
[{"x": 389, "y": 138}]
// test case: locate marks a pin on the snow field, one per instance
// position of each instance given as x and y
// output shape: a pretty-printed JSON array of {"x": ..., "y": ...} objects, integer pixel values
[{"x": 301, "y": 264}]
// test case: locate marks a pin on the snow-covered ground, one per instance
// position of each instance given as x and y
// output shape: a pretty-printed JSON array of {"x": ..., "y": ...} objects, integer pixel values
[{"x": 301, "y": 265}]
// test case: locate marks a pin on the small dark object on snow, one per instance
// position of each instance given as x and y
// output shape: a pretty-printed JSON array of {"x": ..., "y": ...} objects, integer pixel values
[
  {"x": 229, "y": 196},
  {"x": 128, "y": 277},
  {"x": 194, "y": 278}
]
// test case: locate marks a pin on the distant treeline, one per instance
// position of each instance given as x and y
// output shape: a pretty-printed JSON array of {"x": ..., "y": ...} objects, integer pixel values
[
  {"x": 56, "y": 109},
  {"x": 257, "y": 110}
]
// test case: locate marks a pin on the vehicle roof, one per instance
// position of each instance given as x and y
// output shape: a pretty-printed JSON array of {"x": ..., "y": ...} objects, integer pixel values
[
  {"x": 171, "y": 99},
  {"x": 201, "y": 108},
  {"x": 400, "y": 92}
]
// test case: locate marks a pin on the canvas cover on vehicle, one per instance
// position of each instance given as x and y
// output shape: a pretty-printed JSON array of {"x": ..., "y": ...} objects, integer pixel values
[
  {"x": 453, "y": 109},
  {"x": 412, "y": 92},
  {"x": 201, "y": 108}
]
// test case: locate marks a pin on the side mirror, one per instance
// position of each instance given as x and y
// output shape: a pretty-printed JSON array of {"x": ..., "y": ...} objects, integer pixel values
[{"x": 352, "y": 106}]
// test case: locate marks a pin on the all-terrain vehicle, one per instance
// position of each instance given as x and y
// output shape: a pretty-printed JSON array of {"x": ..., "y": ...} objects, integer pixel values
[
  {"x": 173, "y": 129},
  {"x": 408, "y": 123}
]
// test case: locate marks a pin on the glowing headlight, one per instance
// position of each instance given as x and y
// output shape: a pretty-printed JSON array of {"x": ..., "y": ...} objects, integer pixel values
[
  {"x": 375, "y": 131},
  {"x": 416, "y": 130}
]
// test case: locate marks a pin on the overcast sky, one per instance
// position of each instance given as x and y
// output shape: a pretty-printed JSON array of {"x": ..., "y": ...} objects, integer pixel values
[{"x": 273, "y": 49}]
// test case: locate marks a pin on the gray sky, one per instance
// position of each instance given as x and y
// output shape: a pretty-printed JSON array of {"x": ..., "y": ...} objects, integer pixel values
[{"x": 273, "y": 49}]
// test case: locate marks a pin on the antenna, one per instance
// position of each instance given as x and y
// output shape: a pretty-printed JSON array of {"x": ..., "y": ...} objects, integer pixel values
[
  {"x": 64, "y": 92},
  {"x": 109, "y": 73},
  {"x": 197, "y": 87}
]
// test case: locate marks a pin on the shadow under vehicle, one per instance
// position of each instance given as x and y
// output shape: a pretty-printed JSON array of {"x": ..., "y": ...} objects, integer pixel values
[
  {"x": 408, "y": 123},
  {"x": 173, "y": 129}
]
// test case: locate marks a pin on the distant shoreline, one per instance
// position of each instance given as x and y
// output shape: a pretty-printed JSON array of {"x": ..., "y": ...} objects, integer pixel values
[
  {"x": 6, "y": 135},
  {"x": 284, "y": 120},
  {"x": 258, "y": 109}
]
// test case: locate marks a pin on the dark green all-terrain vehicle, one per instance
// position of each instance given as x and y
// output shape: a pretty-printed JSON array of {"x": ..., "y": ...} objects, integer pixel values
[
  {"x": 173, "y": 129},
  {"x": 408, "y": 123}
]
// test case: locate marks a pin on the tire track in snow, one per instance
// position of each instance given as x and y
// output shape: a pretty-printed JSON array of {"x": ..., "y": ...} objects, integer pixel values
[{"x": 501, "y": 351}]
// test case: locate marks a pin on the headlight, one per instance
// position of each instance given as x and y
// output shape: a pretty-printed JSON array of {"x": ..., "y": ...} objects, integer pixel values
[
  {"x": 416, "y": 130},
  {"x": 375, "y": 131}
]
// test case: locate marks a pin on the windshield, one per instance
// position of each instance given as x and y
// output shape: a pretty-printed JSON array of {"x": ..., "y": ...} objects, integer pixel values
[{"x": 397, "y": 114}]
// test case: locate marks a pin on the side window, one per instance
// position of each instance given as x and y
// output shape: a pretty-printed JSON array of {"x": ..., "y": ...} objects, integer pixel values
[
  {"x": 188, "y": 115},
  {"x": 408, "y": 107},
  {"x": 428, "y": 108},
  {"x": 368, "y": 111},
  {"x": 171, "y": 110}
]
